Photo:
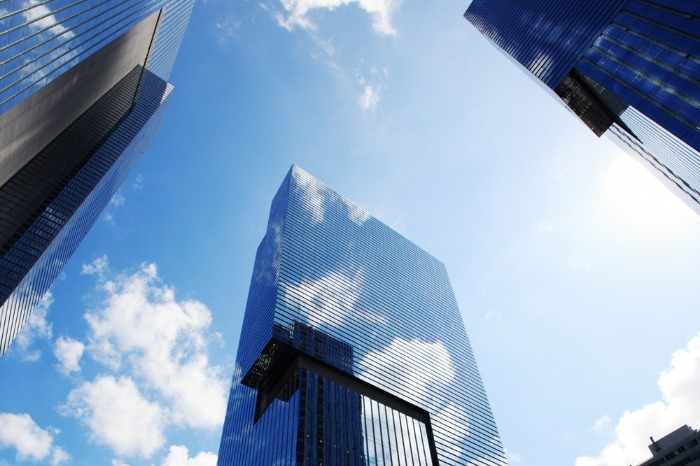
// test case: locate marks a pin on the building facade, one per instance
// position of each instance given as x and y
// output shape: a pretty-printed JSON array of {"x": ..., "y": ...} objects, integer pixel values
[
  {"x": 353, "y": 350},
  {"x": 679, "y": 448},
  {"x": 628, "y": 68},
  {"x": 83, "y": 88}
]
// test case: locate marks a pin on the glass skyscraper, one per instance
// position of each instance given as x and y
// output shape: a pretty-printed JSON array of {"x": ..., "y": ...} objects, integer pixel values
[
  {"x": 353, "y": 350},
  {"x": 83, "y": 87},
  {"x": 628, "y": 68}
]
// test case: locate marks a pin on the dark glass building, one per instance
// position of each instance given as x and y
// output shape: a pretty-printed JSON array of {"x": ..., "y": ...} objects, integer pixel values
[
  {"x": 353, "y": 350},
  {"x": 83, "y": 88},
  {"x": 629, "y": 68}
]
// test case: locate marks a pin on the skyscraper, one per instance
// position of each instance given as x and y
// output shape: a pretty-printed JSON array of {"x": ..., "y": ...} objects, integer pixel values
[
  {"x": 679, "y": 448},
  {"x": 353, "y": 350},
  {"x": 83, "y": 88},
  {"x": 628, "y": 68}
]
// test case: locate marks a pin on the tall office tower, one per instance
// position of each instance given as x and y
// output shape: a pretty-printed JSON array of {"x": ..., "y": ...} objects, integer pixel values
[
  {"x": 353, "y": 351},
  {"x": 83, "y": 88},
  {"x": 629, "y": 68},
  {"x": 679, "y": 448}
]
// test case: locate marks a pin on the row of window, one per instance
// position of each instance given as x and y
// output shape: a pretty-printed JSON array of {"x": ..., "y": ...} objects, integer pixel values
[
  {"x": 93, "y": 185},
  {"x": 338, "y": 271},
  {"x": 545, "y": 36}
]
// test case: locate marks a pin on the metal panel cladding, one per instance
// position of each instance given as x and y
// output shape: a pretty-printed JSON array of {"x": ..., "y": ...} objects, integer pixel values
[{"x": 374, "y": 322}]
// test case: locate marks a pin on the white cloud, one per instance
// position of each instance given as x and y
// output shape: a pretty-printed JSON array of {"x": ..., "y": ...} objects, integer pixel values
[
  {"x": 119, "y": 463},
  {"x": 59, "y": 456},
  {"x": 34, "y": 328},
  {"x": 227, "y": 28},
  {"x": 415, "y": 380},
  {"x": 118, "y": 200},
  {"x": 454, "y": 416},
  {"x": 142, "y": 327},
  {"x": 154, "y": 349},
  {"x": 324, "y": 305},
  {"x": 317, "y": 197},
  {"x": 68, "y": 352},
  {"x": 381, "y": 12},
  {"x": 39, "y": 16},
  {"x": 369, "y": 99},
  {"x": 179, "y": 456},
  {"x": 31, "y": 442},
  {"x": 138, "y": 183},
  {"x": 41, "y": 19},
  {"x": 164, "y": 341},
  {"x": 512, "y": 457},
  {"x": 98, "y": 267},
  {"x": 314, "y": 196},
  {"x": 601, "y": 423},
  {"x": 118, "y": 415},
  {"x": 357, "y": 215},
  {"x": 370, "y": 86},
  {"x": 679, "y": 405}
]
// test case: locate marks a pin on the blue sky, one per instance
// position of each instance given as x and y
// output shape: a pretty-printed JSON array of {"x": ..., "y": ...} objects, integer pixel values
[{"x": 575, "y": 269}]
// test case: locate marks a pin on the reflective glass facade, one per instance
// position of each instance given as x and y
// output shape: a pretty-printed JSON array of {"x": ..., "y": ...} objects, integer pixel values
[
  {"x": 353, "y": 350},
  {"x": 88, "y": 81},
  {"x": 630, "y": 67},
  {"x": 42, "y": 39}
]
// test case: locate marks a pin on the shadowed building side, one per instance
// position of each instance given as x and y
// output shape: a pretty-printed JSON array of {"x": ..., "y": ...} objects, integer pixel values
[{"x": 79, "y": 105}]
